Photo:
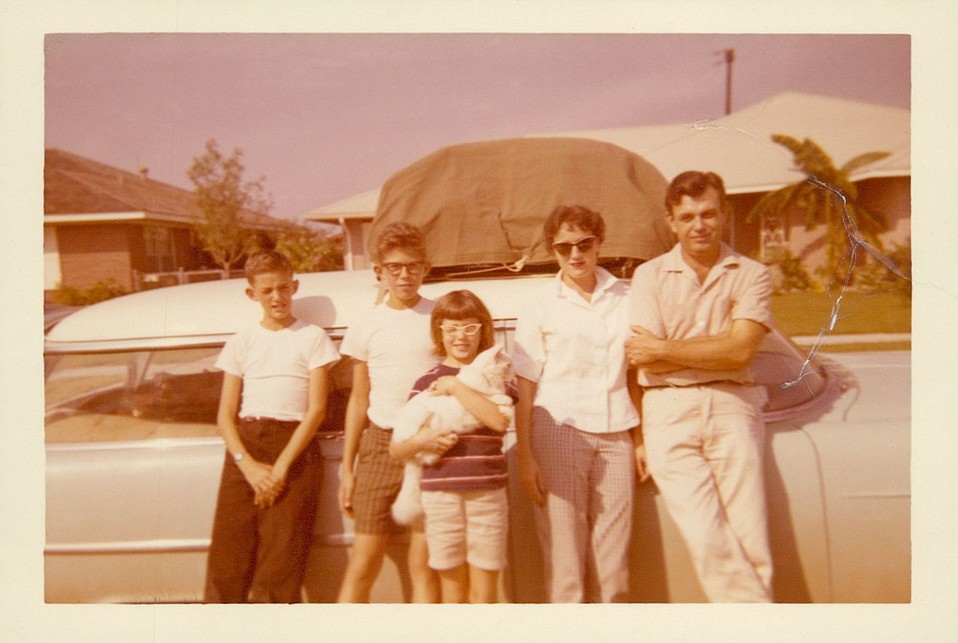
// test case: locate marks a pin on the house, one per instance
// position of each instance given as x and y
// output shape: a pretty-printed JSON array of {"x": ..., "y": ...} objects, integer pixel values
[
  {"x": 739, "y": 147},
  {"x": 105, "y": 225}
]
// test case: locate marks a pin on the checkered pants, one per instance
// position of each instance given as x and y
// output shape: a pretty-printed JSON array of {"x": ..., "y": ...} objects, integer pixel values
[
  {"x": 586, "y": 523},
  {"x": 378, "y": 480}
]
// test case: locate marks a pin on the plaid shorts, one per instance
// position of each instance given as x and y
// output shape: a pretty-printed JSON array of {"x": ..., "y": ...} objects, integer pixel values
[{"x": 378, "y": 479}]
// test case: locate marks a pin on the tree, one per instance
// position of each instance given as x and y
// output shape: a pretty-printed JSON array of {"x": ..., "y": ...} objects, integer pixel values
[
  {"x": 226, "y": 204},
  {"x": 827, "y": 196},
  {"x": 307, "y": 249}
]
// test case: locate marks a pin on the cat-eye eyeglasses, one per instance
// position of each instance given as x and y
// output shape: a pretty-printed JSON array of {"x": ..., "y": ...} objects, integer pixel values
[{"x": 469, "y": 330}]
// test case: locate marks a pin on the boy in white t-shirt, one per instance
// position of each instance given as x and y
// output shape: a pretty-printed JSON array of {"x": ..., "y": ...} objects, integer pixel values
[
  {"x": 390, "y": 347},
  {"x": 273, "y": 400}
]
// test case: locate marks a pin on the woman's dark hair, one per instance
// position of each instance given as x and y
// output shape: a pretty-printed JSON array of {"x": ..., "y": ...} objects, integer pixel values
[{"x": 576, "y": 216}]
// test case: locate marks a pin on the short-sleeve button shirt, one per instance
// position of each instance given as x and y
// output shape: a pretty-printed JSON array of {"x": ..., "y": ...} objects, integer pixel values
[{"x": 668, "y": 300}]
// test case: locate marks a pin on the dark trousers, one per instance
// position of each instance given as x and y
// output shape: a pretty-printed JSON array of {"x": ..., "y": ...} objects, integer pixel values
[{"x": 259, "y": 555}]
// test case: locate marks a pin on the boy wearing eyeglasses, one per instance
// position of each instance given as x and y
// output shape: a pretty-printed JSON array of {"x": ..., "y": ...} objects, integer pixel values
[{"x": 389, "y": 348}]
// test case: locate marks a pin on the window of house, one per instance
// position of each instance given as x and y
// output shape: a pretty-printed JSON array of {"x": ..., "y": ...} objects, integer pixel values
[{"x": 159, "y": 249}]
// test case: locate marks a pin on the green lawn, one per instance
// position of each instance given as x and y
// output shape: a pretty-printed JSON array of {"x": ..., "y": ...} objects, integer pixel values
[{"x": 805, "y": 313}]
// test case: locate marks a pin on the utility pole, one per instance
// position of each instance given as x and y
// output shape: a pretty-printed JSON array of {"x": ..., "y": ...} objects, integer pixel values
[{"x": 729, "y": 59}]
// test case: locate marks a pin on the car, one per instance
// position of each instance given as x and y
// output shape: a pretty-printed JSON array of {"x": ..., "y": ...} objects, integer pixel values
[
  {"x": 53, "y": 312},
  {"x": 133, "y": 457}
]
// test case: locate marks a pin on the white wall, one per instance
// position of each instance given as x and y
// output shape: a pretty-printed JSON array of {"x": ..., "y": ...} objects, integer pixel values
[{"x": 51, "y": 259}]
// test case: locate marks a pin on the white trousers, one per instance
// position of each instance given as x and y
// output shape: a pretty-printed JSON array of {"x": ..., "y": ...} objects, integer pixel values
[
  {"x": 586, "y": 523},
  {"x": 705, "y": 447}
]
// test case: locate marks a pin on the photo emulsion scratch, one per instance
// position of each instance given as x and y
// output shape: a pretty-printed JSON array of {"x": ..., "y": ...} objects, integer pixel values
[{"x": 844, "y": 274}]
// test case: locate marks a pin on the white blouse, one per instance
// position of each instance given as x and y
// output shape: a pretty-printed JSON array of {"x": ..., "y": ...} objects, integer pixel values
[{"x": 575, "y": 352}]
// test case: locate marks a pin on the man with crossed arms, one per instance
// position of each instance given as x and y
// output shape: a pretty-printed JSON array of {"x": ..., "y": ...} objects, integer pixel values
[{"x": 699, "y": 313}]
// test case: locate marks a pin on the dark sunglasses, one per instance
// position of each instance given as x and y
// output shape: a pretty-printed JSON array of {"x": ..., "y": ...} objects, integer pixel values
[{"x": 564, "y": 248}]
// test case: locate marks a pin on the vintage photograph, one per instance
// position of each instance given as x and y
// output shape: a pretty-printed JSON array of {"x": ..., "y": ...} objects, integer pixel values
[
  {"x": 516, "y": 317},
  {"x": 173, "y": 159}
]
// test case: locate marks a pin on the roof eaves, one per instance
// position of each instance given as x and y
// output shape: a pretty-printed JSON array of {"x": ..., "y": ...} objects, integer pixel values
[{"x": 110, "y": 217}]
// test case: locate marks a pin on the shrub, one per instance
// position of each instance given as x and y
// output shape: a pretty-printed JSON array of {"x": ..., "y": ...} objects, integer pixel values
[
  {"x": 788, "y": 273},
  {"x": 874, "y": 276},
  {"x": 72, "y": 296}
]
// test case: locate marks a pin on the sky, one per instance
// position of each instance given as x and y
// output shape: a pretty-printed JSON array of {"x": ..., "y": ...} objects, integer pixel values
[{"x": 322, "y": 117}]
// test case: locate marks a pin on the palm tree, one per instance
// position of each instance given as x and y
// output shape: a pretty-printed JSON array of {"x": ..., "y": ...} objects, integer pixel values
[{"x": 827, "y": 197}]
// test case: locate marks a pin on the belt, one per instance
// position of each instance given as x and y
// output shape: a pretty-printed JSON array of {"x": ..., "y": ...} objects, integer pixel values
[
  {"x": 694, "y": 384},
  {"x": 251, "y": 420}
]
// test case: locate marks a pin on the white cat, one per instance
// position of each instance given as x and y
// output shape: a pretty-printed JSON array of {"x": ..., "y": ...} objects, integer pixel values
[{"x": 488, "y": 374}]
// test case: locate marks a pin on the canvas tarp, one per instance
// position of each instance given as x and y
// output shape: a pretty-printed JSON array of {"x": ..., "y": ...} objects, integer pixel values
[{"x": 484, "y": 203}]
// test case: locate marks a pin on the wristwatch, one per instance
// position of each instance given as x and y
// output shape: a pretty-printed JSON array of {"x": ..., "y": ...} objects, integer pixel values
[{"x": 238, "y": 456}]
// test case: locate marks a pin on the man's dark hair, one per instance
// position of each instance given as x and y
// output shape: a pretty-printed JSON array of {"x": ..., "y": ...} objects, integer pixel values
[{"x": 693, "y": 184}]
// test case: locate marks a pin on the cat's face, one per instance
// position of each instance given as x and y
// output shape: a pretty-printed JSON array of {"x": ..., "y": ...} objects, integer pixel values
[{"x": 488, "y": 372}]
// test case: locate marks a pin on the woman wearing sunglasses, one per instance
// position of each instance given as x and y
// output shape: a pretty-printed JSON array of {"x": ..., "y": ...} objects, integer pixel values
[{"x": 576, "y": 416}]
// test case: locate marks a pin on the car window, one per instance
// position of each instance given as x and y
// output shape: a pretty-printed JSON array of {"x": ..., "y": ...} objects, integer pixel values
[
  {"x": 132, "y": 395},
  {"x": 137, "y": 395}
]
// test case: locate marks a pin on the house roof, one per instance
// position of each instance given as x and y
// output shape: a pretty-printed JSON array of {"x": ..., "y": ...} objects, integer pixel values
[
  {"x": 739, "y": 146},
  {"x": 80, "y": 190}
]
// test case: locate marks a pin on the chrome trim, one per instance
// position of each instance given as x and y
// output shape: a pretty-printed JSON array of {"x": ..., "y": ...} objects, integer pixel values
[
  {"x": 166, "y": 546},
  {"x": 166, "y": 443},
  {"x": 154, "y": 443},
  {"x": 133, "y": 344}
]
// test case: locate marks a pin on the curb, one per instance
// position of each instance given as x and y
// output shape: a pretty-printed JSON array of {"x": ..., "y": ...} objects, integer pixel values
[{"x": 864, "y": 338}]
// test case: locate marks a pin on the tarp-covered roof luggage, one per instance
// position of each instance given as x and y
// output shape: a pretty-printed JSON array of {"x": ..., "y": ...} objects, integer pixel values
[{"x": 483, "y": 204}]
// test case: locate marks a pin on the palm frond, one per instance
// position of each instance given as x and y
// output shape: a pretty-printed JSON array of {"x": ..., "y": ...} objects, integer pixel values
[
  {"x": 869, "y": 220},
  {"x": 775, "y": 203},
  {"x": 862, "y": 160},
  {"x": 810, "y": 158}
]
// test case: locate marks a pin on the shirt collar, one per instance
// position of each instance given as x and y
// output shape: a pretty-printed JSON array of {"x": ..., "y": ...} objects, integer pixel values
[
  {"x": 674, "y": 262},
  {"x": 604, "y": 281}
]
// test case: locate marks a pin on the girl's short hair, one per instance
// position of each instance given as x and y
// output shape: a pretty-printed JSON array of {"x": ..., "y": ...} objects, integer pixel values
[
  {"x": 401, "y": 235},
  {"x": 266, "y": 261},
  {"x": 458, "y": 305},
  {"x": 576, "y": 216}
]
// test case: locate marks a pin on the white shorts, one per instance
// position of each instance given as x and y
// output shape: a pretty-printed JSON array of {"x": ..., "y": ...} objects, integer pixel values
[{"x": 466, "y": 526}]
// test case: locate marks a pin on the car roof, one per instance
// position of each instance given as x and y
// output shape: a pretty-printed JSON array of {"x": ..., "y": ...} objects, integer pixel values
[{"x": 207, "y": 312}]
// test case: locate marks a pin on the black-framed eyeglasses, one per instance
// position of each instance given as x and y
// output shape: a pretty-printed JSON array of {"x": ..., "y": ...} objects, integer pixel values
[
  {"x": 395, "y": 268},
  {"x": 564, "y": 248}
]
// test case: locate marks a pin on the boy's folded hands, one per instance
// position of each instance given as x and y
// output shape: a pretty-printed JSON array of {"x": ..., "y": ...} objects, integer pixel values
[{"x": 266, "y": 485}]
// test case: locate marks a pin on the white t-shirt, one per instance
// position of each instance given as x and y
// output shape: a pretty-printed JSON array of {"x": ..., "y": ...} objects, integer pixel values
[
  {"x": 575, "y": 351},
  {"x": 397, "y": 349},
  {"x": 275, "y": 366}
]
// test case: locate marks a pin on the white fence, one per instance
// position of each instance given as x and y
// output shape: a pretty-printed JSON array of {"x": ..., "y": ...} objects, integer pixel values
[{"x": 150, "y": 280}]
